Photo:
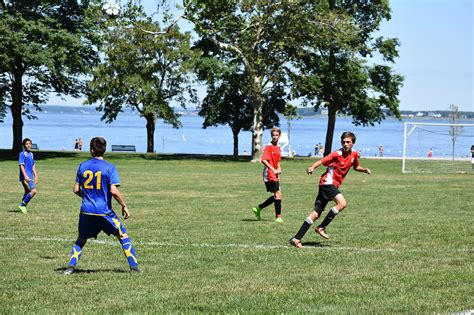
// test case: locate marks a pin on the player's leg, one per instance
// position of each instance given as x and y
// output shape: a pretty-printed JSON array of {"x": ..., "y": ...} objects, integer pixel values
[
  {"x": 340, "y": 205},
  {"x": 319, "y": 205},
  {"x": 113, "y": 225},
  {"x": 76, "y": 253},
  {"x": 30, "y": 192},
  {"x": 88, "y": 227},
  {"x": 277, "y": 203},
  {"x": 129, "y": 252},
  {"x": 270, "y": 188}
]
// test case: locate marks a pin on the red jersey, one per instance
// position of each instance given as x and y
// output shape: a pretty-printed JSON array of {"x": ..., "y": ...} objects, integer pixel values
[
  {"x": 272, "y": 154},
  {"x": 338, "y": 165}
]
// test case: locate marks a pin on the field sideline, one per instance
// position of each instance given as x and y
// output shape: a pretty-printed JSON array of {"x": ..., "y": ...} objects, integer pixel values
[{"x": 404, "y": 244}]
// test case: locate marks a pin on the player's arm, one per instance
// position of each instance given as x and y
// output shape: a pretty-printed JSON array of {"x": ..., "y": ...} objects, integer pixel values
[
  {"x": 267, "y": 164},
  {"x": 23, "y": 171},
  {"x": 77, "y": 189},
  {"x": 34, "y": 173},
  {"x": 361, "y": 169},
  {"x": 278, "y": 168},
  {"x": 118, "y": 197},
  {"x": 315, "y": 165}
]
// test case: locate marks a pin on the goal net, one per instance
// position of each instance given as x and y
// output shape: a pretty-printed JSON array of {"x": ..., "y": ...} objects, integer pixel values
[{"x": 438, "y": 148}]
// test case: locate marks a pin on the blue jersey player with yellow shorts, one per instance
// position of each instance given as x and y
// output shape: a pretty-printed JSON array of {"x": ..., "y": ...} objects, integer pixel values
[
  {"x": 97, "y": 182},
  {"x": 28, "y": 175}
]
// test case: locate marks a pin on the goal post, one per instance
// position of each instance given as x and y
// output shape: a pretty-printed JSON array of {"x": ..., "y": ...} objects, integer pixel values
[{"x": 437, "y": 148}]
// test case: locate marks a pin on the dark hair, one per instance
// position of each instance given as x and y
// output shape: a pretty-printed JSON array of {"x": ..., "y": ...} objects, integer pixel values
[
  {"x": 26, "y": 140},
  {"x": 98, "y": 146},
  {"x": 348, "y": 134}
]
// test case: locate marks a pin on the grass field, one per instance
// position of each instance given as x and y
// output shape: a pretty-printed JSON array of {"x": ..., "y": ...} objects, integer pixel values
[{"x": 404, "y": 244}]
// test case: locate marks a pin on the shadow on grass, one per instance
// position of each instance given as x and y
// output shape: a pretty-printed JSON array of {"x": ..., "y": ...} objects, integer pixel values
[
  {"x": 314, "y": 244},
  {"x": 261, "y": 220},
  {"x": 44, "y": 155},
  {"x": 84, "y": 271},
  {"x": 181, "y": 156},
  {"x": 6, "y": 155}
]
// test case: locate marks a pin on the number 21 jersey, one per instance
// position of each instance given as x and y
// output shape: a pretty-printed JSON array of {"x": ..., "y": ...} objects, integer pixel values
[{"x": 95, "y": 176}]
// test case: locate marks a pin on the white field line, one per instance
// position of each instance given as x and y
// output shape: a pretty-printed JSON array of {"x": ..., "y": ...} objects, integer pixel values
[{"x": 233, "y": 245}]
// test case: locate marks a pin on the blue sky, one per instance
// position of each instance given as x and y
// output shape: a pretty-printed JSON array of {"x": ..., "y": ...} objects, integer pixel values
[{"x": 436, "y": 53}]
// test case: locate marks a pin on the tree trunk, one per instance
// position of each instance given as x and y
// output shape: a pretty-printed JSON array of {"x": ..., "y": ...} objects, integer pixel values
[
  {"x": 150, "y": 132},
  {"x": 16, "y": 109},
  {"x": 235, "y": 132},
  {"x": 257, "y": 126},
  {"x": 332, "y": 110}
]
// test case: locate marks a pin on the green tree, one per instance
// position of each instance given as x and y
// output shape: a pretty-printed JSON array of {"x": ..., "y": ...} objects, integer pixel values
[
  {"x": 336, "y": 68},
  {"x": 45, "y": 46},
  {"x": 290, "y": 113},
  {"x": 252, "y": 36},
  {"x": 227, "y": 104},
  {"x": 142, "y": 71}
]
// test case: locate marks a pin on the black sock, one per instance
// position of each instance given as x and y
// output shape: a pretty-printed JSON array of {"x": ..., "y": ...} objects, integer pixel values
[
  {"x": 331, "y": 214},
  {"x": 277, "y": 207},
  {"x": 267, "y": 202},
  {"x": 304, "y": 228}
]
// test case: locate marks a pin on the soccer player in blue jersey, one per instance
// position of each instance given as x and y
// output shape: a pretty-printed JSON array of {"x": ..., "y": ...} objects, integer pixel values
[
  {"x": 96, "y": 183},
  {"x": 28, "y": 175}
]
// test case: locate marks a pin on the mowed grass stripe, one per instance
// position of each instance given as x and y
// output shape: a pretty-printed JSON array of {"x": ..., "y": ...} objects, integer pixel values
[{"x": 243, "y": 246}]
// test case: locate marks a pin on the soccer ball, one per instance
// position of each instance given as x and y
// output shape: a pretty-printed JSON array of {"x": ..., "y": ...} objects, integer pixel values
[{"x": 111, "y": 9}]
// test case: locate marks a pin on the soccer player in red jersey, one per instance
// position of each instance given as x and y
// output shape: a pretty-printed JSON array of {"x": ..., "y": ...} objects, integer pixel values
[
  {"x": 338, "y": 164},
  {"x": 271, "y": 172}
]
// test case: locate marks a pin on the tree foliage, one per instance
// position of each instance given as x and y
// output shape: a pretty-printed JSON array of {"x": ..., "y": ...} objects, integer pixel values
[
  {"x": 336, "y": 68},
  {"x": 45, "y": 46},
  {"x": 323, "y": 49},
  {"x": 251, "y": 36},
  {"x": 142, "y": 71},
  {"x": 227, "y": 104}
]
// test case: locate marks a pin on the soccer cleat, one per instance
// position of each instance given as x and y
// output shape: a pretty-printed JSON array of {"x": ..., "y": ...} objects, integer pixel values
[
  {"x": 135, "y": 270},
  {"x": 256, "y": 211},
  {"x": 69, "y": 270},
  {"x": 22, "y": 209},
  {"x": 279, "y": 220},
  {"x": 321, "y": 231},
  {"x": 296, "y": 243}
]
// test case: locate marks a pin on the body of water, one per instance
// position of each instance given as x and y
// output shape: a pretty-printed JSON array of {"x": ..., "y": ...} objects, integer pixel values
[{"x": 57, "y": 127}]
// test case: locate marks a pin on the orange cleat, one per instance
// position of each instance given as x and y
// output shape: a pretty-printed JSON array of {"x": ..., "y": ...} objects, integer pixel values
[
  {"x": 321, "y": 231},
  {"x": 296, "y": 243}
]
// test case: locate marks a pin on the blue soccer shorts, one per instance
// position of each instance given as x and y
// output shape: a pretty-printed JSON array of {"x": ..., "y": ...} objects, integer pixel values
[
  {"x": 28, "y": 185},
  {"x": 91, "y": 225}
]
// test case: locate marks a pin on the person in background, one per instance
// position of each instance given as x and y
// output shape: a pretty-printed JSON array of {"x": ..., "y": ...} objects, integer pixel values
[
  {"x": 381, "y": 151},
  {"x": 271, "y": 176},
  {"x": 28, "y": 174},
  {"x": 430, "y": 153},
  {"x": 97, "y": 182},
  {"x": 338, "y": 164},
  {"x": 472, "y": 158}
]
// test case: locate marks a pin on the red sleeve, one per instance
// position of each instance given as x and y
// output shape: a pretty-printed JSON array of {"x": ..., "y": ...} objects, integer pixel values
[
  {"x": 267, "y": 155},
  {"x": 328, "y": 159}
]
